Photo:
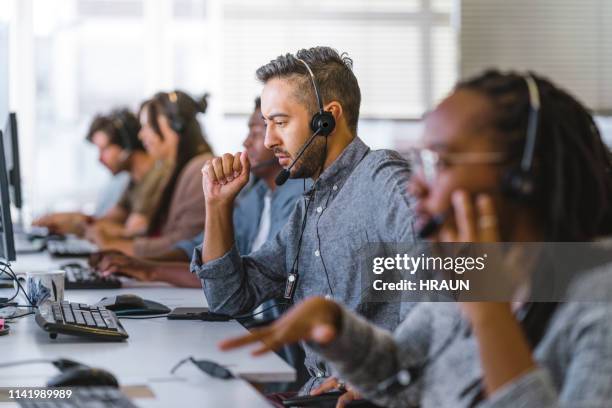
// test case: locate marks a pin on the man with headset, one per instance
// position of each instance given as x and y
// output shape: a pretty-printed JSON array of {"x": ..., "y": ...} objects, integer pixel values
[
  {"x": 116, "y": 137},
  {"x": 310, "y": 104}
]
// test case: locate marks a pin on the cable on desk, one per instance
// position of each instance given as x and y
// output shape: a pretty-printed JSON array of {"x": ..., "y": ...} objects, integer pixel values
[
  {"x": 244, "y": 316},
  {"x": 23, "y": 362},
  {"x": 142, "y": 317},
  {"x": 13, "y": 277},
  {"x": 14, "y": 304},
  {"x": 18, "y": 316},
  {"x": 60, "y": 363},
  {"x": 247, "y": 316},
  {"x": 6, "y": 268}
]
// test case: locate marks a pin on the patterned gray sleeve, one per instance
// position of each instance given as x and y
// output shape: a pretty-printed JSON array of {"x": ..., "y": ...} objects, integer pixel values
[
  {"x": 365, "y": 355},
  {"x": 533, "y": 389},
  {"x": 586, "y": 382},
  {"x": 234, "y": 285},
  {"x": 583, "y": 363}
]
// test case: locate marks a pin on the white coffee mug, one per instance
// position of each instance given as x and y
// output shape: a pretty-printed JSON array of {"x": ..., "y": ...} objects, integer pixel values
[{"x": 43, "y": 286}]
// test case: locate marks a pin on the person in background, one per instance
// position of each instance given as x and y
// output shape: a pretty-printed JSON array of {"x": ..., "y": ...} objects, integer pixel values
[
  {"x": 119, "y": 150},
  {"x": 261, "y": 211},
  {"x": 171, "y": 133},
  {"x": 491, "y": 355}
]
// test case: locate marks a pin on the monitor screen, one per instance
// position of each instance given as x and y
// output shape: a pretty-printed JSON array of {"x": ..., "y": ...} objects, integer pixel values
[
  {"x": 11, "y": 151},
  {"x": 4, "y": 70},
  {"x": 7, "y": 245}
]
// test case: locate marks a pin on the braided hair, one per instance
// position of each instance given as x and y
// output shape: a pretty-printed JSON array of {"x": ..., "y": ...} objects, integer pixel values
[
  {"x": 572, "y": 169},
  {"x": 572, "y": 166}
]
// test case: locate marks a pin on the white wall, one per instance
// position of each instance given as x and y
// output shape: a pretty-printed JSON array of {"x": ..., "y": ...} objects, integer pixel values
[{"x": 4, "y": 74}]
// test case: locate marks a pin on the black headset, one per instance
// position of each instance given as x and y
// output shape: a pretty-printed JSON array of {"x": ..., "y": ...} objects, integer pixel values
[
  {"x": 322, "y": 122},
  {"x": 520, "y": 182},
  {"x": 176, "y": 122}
]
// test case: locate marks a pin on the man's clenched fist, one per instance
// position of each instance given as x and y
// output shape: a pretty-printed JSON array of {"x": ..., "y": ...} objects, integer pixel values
[{"x": 223, "y": 177}]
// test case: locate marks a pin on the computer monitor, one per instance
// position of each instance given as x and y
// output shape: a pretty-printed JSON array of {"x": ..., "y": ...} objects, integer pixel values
[
  {"x": 4, "y": 70},
  {"x": 11, "y": 150},
  {"x": 7, "y": 244}
]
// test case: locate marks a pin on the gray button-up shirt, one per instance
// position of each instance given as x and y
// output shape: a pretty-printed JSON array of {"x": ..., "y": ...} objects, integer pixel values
[{"x": 362, "y": 197}]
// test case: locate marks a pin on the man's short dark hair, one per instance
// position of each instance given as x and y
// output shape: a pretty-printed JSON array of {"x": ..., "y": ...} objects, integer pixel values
[
  {"x": 121, "y": 126},
  {"x": 258, "y": 103},
  {"x": 333, "y": 73}
]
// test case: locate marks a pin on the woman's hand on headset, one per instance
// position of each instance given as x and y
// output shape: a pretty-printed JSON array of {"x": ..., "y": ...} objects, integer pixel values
[
  {"x": 475, "y": 220},
  {"x": 315, "y": 319}
]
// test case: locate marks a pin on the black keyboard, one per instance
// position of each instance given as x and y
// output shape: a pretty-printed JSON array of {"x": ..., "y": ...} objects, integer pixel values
[
  {"x": 71, "y": 248},
  {"x": 84, "y": 277},
  {"x": 98, "y": 397},
  {"x": 79, "y": 319}
]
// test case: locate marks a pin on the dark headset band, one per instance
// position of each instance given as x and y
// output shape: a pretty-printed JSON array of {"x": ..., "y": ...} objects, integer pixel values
[
  {"x": 314, "y": 84},
  {"x": 532, "y": 122}
]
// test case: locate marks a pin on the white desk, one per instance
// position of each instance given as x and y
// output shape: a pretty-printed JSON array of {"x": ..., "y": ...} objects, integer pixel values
[
  {"x": 192, "y": 393},
  {"x": 153, "y": 348}
]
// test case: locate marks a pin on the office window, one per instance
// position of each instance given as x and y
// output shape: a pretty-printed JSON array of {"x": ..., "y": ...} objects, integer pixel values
[
  {"x": 109, "y": 8},
  {"x": 88, "y": 59},
  {"x": 75, "y": 58},
  {"x": 569, "y": 41},
  {"x": 403, "y": 50},
  {"x": 70, "y": 59},
  {"x": 189, "y": 9}
]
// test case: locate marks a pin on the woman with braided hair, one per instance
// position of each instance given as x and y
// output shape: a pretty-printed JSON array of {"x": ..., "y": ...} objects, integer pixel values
[{"x": 506, "y": 158}]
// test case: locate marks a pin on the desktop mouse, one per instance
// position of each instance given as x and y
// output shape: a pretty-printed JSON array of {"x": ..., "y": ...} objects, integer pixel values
[
  {"x": 121, "y": 303},
  {"x": 132, "y": 305},
  {"x": 83, "y": 376}
]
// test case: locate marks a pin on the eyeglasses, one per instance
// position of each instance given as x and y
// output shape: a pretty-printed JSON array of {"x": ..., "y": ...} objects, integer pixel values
[
  {"x": 430, "y": 162},
  {"x": 209, "y": 367}
]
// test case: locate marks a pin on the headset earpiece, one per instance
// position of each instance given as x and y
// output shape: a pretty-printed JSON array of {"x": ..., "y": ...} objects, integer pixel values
[
  {"x": 177, "y": 125},
  {"x": 519, "y": 185},
  {"x": 323, "y": 122}
]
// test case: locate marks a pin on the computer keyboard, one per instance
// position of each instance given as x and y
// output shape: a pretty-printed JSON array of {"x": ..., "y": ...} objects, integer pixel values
[
  {"x": 32, "y": 232},
  {"x": 26, "y": 246},
  {"x": 84, "y": 277},
  {"x": 93, "y": 397},
  {"x": 71, "y": 248},
  {"x": 79, "y": 319}
]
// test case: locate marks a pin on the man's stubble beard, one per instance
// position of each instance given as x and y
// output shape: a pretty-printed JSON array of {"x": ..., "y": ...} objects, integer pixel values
[{"x": 312, "y": 160}]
